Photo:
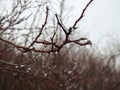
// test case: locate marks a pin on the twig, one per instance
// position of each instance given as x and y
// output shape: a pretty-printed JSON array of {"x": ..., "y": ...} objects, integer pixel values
[{"x": 81, "y": 16}]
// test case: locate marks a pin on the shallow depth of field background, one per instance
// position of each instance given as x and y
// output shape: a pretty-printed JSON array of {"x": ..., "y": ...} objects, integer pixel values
[{"x": 74, "y": 67}]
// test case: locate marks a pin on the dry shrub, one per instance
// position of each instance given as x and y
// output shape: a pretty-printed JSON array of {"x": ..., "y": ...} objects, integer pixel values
[{"x": 66, "y": 70}]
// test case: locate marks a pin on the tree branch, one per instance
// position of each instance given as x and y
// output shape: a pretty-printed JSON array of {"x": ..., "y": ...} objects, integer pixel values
[{"x": 81, "y": 16}]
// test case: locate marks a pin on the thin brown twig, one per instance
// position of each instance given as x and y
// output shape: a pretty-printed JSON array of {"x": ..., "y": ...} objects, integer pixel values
[
  {"x": 81, "y": 16},
  {"x": 45, "y": 22}
]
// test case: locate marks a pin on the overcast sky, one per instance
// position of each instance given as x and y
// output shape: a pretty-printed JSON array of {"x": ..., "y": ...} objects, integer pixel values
[{"x": 101, "y": 21}]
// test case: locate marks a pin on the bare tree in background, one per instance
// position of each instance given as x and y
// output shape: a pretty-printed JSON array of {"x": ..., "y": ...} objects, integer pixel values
[{"x": 34, "y": 28}]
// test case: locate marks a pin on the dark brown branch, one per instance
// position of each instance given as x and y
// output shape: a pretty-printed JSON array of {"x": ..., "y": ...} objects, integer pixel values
[
  {"x": 45, "y": 22},
  {"x": 59, "y": 23},
  {"x": 81, "y": 16},
  {"x": 26, "y": 49},
  {"x": 78, "y": 41}
]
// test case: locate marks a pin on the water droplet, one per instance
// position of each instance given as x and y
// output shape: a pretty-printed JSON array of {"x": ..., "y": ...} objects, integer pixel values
[
  {"x": 22, "y": 65},
  {"x": 27, "y": 71},
  {"x": 16, "y": 66},
  {"x": 29, "y": 68},
  {"x": 69, "y": 72},
  {"x": 45, "y": 74}
]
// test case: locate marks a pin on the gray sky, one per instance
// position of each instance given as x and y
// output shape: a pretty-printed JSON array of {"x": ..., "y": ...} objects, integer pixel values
[{"x": 101, "y": 21}]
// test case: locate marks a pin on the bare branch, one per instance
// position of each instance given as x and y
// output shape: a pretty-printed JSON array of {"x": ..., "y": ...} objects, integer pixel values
[
  {"x": 59, "y": 23},
  {"x": 81, "y": 16},
  {"x": 45, "y": 22},
  {"x": 52, "y": 46}
]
